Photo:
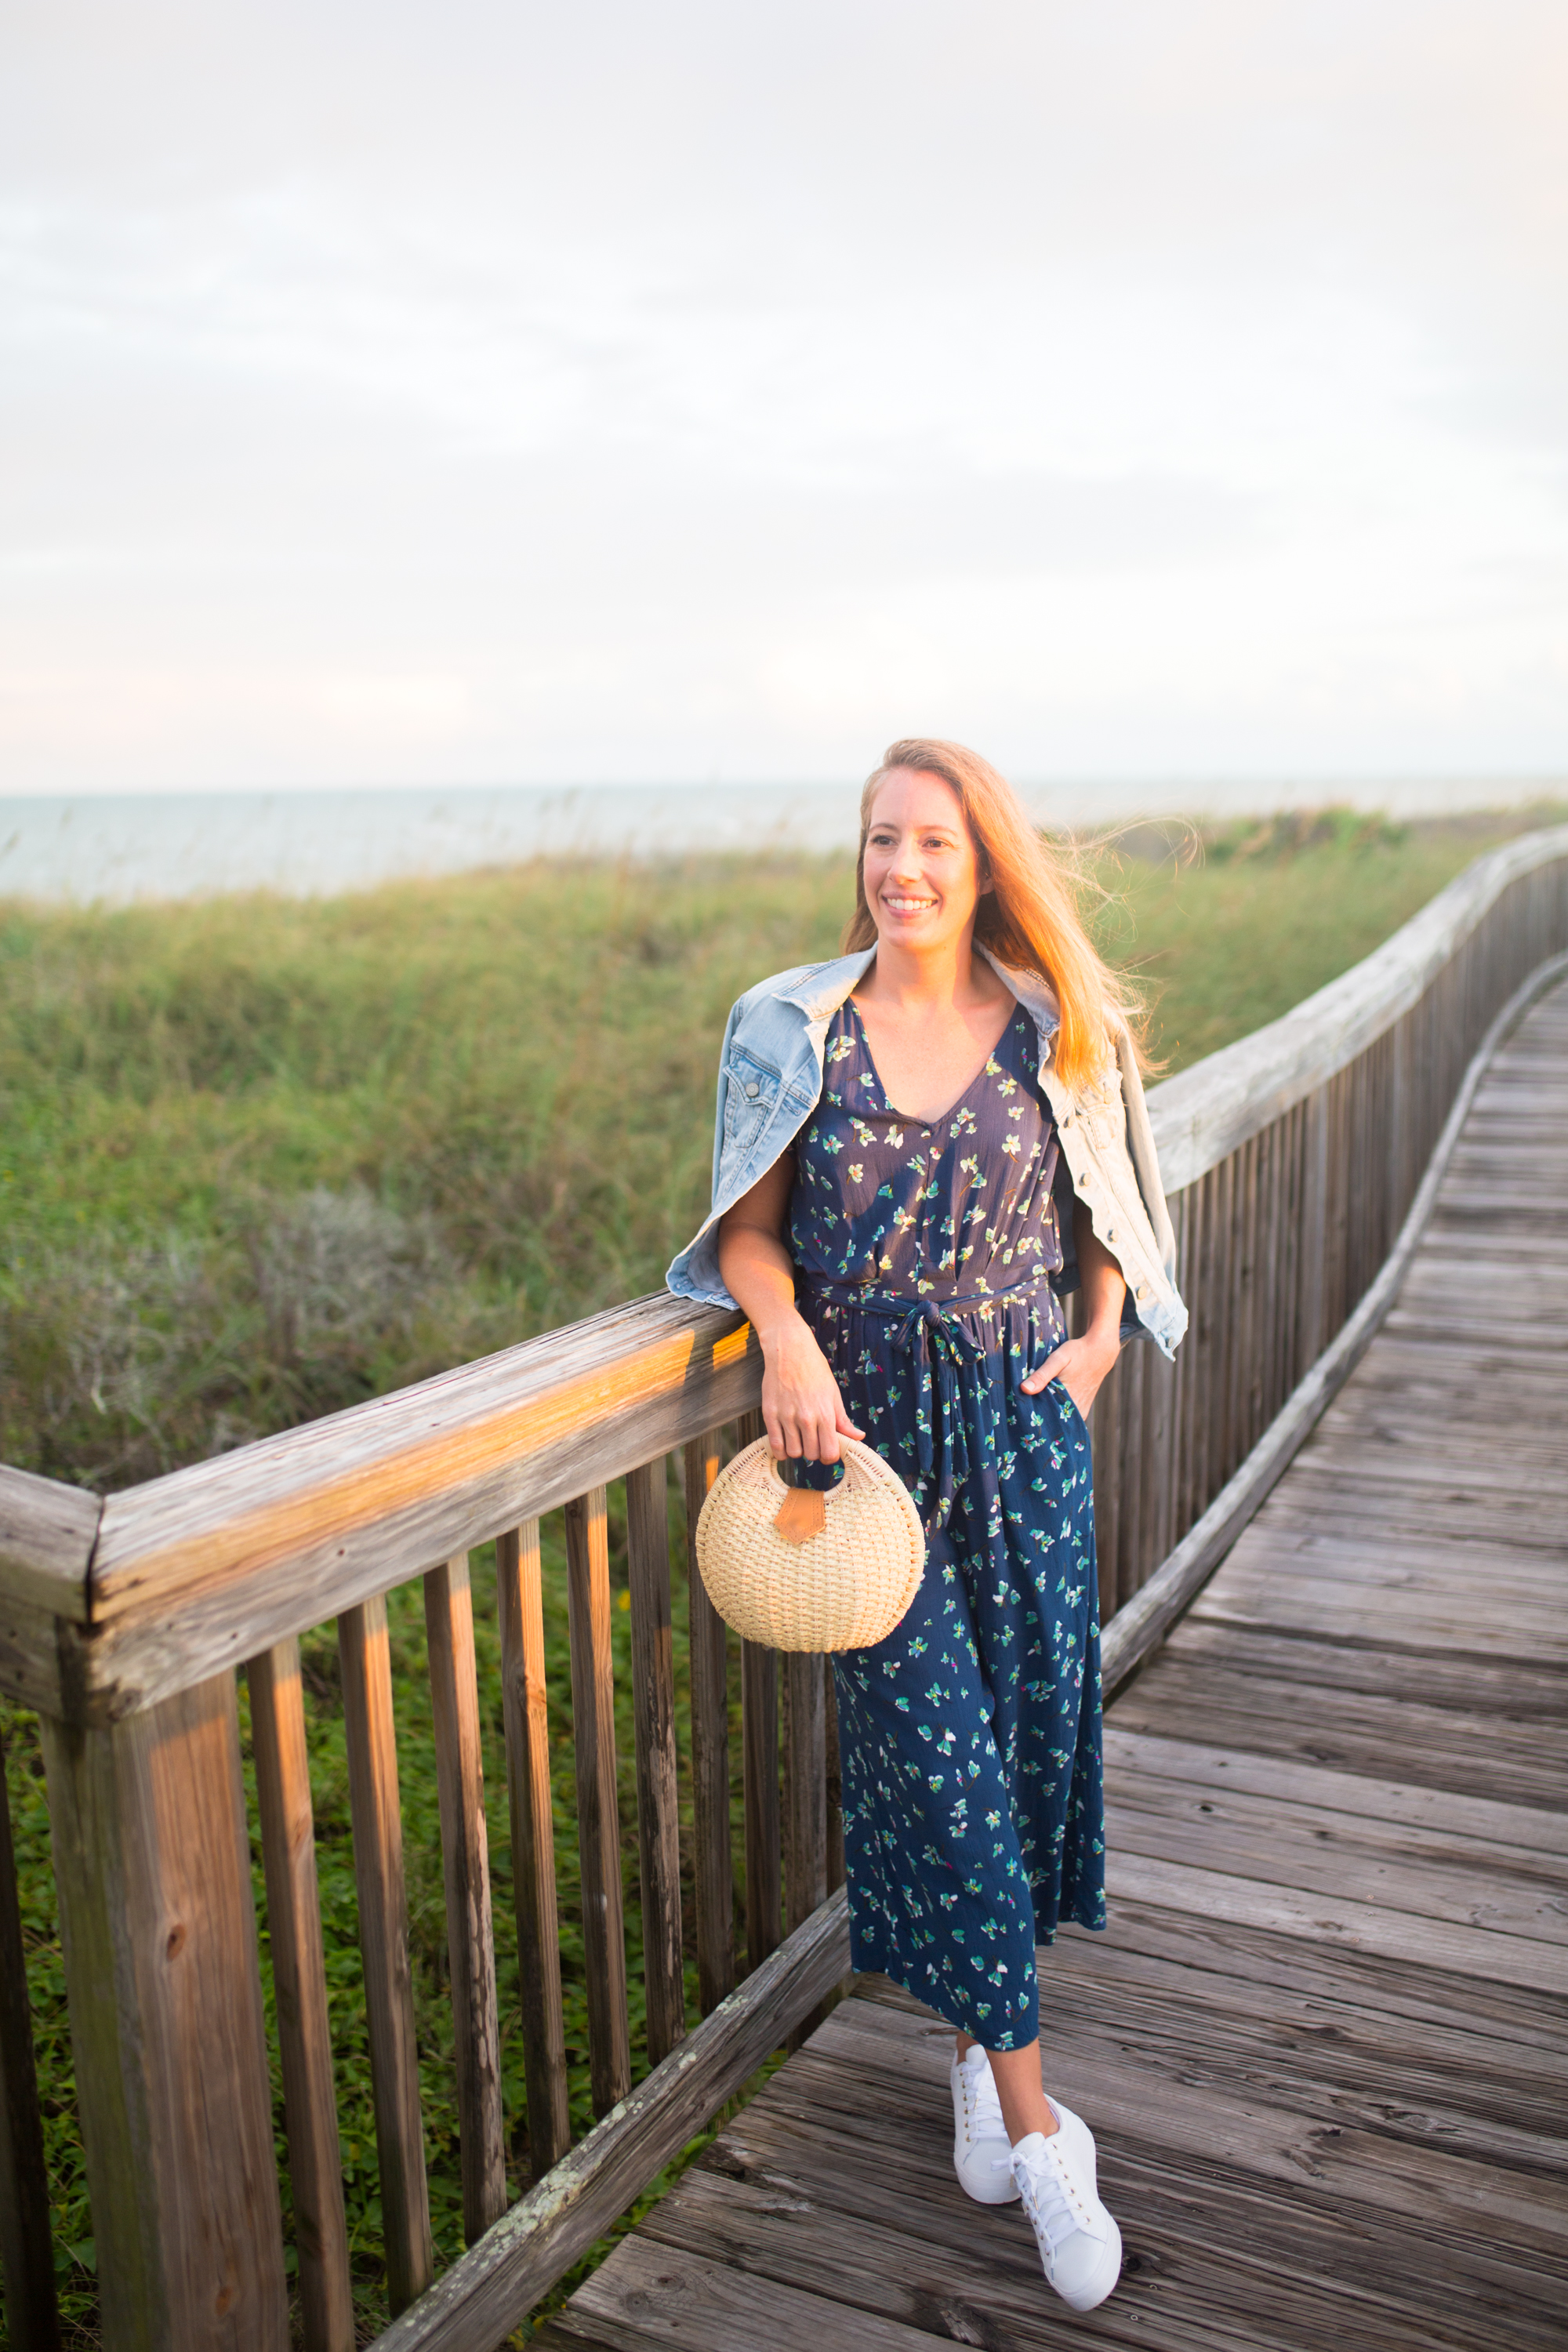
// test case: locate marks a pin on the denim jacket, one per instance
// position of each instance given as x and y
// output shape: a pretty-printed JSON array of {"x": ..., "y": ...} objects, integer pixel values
[{"x": 769, "y": 1078}]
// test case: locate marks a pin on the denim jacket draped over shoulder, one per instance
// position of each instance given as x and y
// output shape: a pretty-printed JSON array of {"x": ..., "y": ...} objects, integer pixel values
[{"x": 770, "y": 1079}]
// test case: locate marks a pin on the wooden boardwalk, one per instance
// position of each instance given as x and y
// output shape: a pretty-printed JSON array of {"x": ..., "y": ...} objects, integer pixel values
[{"x": 1324, "y": 2045}]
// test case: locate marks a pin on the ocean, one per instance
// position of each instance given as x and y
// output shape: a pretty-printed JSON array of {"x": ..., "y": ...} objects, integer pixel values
[{"x": 114, "y": 848}]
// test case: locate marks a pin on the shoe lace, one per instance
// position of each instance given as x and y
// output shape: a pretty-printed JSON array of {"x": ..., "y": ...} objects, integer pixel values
[
  {"x": 1052, "y": 2199},
  {"x": 983, "y": 2109}
]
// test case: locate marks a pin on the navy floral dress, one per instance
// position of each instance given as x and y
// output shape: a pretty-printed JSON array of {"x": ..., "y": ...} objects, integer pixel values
[{"x": 971, "y": 1738}]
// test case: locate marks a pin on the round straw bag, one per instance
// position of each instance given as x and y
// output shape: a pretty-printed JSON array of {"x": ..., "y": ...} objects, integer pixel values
[{"x": 800, "y": 1569}]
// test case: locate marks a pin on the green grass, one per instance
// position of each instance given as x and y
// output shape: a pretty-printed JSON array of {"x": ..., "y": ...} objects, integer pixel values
[{"x": 260, "y": 1159}]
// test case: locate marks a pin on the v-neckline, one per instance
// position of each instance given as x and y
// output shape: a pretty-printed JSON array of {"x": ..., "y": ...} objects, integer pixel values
[{"x": 926, "y": 1126}]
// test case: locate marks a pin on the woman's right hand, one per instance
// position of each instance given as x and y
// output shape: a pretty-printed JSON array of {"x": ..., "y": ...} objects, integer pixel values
[{"x": 801, "y": 1408}]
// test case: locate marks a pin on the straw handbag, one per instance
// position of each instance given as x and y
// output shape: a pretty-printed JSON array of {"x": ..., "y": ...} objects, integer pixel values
[{"x": 799, "y": 1569}]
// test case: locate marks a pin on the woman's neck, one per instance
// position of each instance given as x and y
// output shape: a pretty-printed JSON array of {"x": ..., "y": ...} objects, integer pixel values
[{"x": 911, "y": 981}]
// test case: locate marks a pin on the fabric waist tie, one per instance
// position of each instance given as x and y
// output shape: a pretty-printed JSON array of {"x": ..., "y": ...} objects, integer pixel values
[{"x": 927, "y": 1330}]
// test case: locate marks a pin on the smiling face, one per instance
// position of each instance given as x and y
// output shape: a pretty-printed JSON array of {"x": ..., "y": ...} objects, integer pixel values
[{"x": 922, "y": 872}]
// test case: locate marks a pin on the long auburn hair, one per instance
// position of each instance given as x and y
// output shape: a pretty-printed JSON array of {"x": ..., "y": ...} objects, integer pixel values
[{"x": 1029, "y": 918}]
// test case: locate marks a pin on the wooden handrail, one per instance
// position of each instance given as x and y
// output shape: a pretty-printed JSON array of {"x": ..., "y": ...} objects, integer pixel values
[
  {"x": 1206, "y": 1112},
  {"x": 197, "y": 1571}
]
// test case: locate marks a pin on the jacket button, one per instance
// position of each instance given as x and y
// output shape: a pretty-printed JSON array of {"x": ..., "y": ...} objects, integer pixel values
[{"x": 753, "y": 1089}]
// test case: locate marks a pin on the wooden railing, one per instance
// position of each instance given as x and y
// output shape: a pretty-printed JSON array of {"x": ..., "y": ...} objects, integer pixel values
[{"x": 1296, "y": 1161}]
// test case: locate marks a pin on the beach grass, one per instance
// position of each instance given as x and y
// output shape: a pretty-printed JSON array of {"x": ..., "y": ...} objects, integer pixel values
[{"x": 261, "y": 1158}]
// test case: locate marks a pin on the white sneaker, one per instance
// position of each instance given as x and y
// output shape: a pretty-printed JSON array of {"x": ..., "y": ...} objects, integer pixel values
[
  {"x": 982, "y": 2152},
  {"x": 1080, "y": 2245}
]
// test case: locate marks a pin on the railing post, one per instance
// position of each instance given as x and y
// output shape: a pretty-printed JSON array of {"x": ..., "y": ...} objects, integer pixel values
[{"x": 153, "y": 1865}]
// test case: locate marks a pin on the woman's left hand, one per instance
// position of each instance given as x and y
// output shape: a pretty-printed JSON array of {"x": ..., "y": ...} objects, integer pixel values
[{"x": 1080, "y": 1365}]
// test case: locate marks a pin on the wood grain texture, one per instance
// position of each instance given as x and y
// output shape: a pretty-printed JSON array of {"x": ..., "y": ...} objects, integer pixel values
[
  {"x": 37, "y": 1656},
  {"x": 377, "y": 1817},
  {"x": 486, "y": 2294},
  {"x": 764, "y": 1833},
  {"x": 713, "y": 1869},
  {"x": 805, "y": 1798},
  {"x": 658, "y": 1798},
  {"x": 26, "y": 2252},
  {"x": 152, "y": 1869},
  {"x": 834, "y": 1777},
  {"x": 598, "y": 1815},
  {"x": 299, "y": 1985},
  {"x": 1143, "y": 1621},
  {"x": 525, "y": 1707},
  {"x": 466, "y": 1868},
  {"x": 46, "y": 1536},
  {"x": 216, "y": 1563}
]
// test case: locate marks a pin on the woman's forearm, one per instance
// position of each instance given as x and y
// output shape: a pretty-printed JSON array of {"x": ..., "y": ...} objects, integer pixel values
[
  {"x": 757, "y": 1271},
  {"x": 802, "y": 1409},
  {"x": 1104, "y": 1284}
]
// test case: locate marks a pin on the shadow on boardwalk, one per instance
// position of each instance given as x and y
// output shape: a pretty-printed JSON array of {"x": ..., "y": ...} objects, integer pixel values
[{"x": 1325, "y": 2047}]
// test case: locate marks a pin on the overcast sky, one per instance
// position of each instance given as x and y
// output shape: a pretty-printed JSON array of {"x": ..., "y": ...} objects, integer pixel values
[{"x": 480, "y": 393}]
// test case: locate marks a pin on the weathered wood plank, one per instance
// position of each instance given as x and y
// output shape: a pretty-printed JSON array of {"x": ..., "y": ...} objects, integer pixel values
[
  {"x": 485, "y": 2294},
  {"x": 1221, "y": 1895},
  {"x": 300, "y": 1984},
  {"x": 377, "y": 1815},
  {"x": 1453, "y": 2073},
  {"x": 525, "y": 1714},
  {"x": 760, "y": 1737},
  {"x": 466, "y": 1868},
  {"x": 213, "y": 1563},
  {"x": 1475, "y": 1684},
  {"x": 1205, "y": 2268},
  {"x": 713, "y": 1869},
  {"x": 1135, "y": 1758},
  {"x": 1433, "y": 2186},
  {"x": 1354, "y": 1731},
  {"x": 879, "y": 2067},
  {"x": 834, "y": 1777},
  {"x": 1433, "y": 1873},
  {"x": 807, "y": 1786},
  {"x": 46, "y": 1536},
  {"x": 805, "y": 1796},
  {"x": 38, "y": 1654},
  {"x": 658, "y": 1800},
  {"x": 598, "y": 1813},
  {"x": 1245, "y": 2243},
  {"x": 1223, "y": 2253},
  {"x": 645, "y": 2295},
  {"x": 152, "y": 1867}
]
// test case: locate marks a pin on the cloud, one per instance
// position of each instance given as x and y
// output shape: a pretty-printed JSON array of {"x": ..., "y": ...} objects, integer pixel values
[{"x": 538, "y": 394}]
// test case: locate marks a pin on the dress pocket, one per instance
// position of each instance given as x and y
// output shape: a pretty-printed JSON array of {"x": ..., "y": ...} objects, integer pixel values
[{"x": 1068, "y": 1401}]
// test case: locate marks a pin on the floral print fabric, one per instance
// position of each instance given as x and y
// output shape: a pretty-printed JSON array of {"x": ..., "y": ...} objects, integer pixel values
[{"x": 970, "y": 1738}]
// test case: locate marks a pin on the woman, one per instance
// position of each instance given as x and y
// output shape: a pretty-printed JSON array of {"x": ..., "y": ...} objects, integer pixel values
[{"x": 921, "y": 1148}]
